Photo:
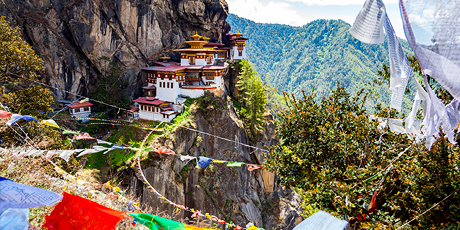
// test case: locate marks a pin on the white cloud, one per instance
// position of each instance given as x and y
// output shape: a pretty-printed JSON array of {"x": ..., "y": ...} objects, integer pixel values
[
  {"x": 273, "y": 12},
  {"x": 337, "y": 2}
]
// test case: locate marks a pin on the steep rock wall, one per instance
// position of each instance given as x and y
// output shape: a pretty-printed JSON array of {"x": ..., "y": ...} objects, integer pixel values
[
  {"x": 70, "y": 35},
  {"x": 231, "y": 193}
]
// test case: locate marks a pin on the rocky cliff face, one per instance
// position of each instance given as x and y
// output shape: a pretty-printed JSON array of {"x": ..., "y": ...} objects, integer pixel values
[
  {"x": 70, "y": 35},
  {"x": 231, "y": 193}
]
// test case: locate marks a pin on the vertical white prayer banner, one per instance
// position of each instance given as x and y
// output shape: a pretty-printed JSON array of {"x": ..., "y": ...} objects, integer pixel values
[
  {"x": 400, "y": 69},
  {"x": 436, "y": 115},
  {"x": 368, "y": 26},
  {"x": 421, "y": 95},
  {"x": 432, "y": 28}
]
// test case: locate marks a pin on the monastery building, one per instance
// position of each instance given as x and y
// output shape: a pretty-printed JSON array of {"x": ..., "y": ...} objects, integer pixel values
[{"x": 199, "y": 70}]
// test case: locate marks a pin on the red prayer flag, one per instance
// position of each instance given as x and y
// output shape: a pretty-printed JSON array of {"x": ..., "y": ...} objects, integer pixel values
[
  {"x": 75, "y": 212},
  {"x": 165, "y": 151},
  {"x": 252, "y": 167},
  {"x": 373, "y": 205},
  {"x": 4, "y": 114}
]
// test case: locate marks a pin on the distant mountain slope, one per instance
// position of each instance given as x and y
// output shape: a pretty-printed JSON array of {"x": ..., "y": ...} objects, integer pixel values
[{"x": 317, "y": 54}]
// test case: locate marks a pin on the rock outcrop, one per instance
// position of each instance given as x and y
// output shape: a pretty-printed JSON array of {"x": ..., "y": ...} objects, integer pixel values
[
  {"x": 231, "y": 193},
  {"x": 71, "y": 35}
]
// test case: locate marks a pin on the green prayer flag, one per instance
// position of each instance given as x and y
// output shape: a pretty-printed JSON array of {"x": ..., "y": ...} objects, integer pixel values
[
  {"x": 235, "y": 164},
  {"x": 156, "y": 222},
  {"x": 148, "y": 149},
  {"x": 69, "y": 132}
]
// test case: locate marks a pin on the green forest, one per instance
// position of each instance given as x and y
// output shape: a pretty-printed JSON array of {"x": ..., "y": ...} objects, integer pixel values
[{"x": 317, "y": 55}]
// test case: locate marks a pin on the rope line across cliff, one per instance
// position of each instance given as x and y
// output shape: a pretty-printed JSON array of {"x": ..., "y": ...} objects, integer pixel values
[{"x": 114, "y": 106}]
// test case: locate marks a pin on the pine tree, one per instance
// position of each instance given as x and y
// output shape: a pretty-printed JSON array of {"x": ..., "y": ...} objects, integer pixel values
[{"x": 252, "y": 95}]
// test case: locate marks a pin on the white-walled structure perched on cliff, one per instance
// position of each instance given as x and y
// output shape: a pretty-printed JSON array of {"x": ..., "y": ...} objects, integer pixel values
[
  {"x": 170, "y": 82},
  {"x": 80, "y": 110}
]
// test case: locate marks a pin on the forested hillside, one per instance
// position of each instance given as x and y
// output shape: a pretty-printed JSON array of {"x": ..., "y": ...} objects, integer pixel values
[{"x": 315, "y": 55}]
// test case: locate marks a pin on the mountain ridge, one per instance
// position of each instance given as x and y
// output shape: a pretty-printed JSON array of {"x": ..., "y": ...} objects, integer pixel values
[{"x": 318, "y": 55}]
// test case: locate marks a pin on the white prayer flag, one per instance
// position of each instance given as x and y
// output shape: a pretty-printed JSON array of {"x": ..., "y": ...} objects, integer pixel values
[{"x": 368, "y": 26}]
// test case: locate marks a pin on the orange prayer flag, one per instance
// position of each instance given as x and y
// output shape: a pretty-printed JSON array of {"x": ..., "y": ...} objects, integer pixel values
[
  {"x": 165, "y": 151},
  {"x": 252, "y": 167}
]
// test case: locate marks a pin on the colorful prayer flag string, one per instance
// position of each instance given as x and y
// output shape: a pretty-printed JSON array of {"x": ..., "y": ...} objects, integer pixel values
[{"x": 150, "y": 188}]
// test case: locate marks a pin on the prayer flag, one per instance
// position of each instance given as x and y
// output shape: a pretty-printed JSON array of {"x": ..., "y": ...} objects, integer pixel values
[
  {"x": 322, "y": 221},
  {"x": 5, "y": 114},
  {"x": 65, "y": 154},
  {"x": 15, "y": 195},
  {"x": 219, "y": 161},
  {"x": 235, "y": 164},
  {"x": 69, "y": 132},
  {"x": 368, "y": 26},
  {"x": 156, "y": 222},
  {"x": 75, "y": 212},
  {"x": 103, "y": 142},
  {"x": 83, "y": 136},
  {"x": 100, "y": 148},
  {"x": 14, "y": 218},
  {"x": 17, "y": 117},
  {"x": 116, "y": 147},
  {"x": 187, "y": 158},
  {"x": 434, "y": 39},
  {"x": 87, "y": 151},
  {"x": 203, "y": 162},
  {"x": 51, "y": 123},
  {"x": 165, "y": 151},
  {"x": 252, "y": 167},
  {"x": 373, "y": 205}
]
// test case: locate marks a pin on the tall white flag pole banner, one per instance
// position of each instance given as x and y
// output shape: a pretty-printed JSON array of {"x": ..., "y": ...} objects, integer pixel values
[{"x": 368, "y": 28}]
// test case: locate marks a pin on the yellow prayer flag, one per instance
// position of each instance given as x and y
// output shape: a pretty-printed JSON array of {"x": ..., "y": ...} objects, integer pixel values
[
  {"x": 219, "y": 161},
  {"x": 51, "y": 123}
]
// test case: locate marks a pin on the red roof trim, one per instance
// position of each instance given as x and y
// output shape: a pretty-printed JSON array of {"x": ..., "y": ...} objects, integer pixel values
[
  {"x": 79, "y": 105},
  {"x": 152, "y": 102}
]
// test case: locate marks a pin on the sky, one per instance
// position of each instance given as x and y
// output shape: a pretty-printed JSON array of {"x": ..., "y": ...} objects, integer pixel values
[{"x": 301, "y": 12}]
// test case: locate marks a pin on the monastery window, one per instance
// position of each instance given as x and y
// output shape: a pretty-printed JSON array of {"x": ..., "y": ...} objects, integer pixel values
[
  {"x": 86, "y": 108},
  {"x": 240, "y": 53},
  {"x": 162, "y": 76},
  {"x": 191, "y": 60},
  {"x": 77, "y": 110},
  {"x": 209, "y": 76}
]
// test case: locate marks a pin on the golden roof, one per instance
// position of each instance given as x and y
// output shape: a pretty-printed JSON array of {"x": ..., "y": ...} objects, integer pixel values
[
  {"x": 196, "y": 37},
  {"x": 238, "y": 33}
]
